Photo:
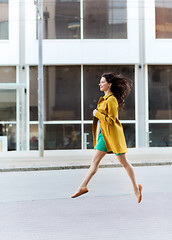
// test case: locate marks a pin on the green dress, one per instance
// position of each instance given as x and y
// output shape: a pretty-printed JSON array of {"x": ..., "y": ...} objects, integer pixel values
[{"x": 101, "y": 145}]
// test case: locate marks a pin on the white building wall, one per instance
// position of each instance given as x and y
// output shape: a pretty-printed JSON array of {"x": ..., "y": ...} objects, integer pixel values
[{"x": 9, "y": 49}]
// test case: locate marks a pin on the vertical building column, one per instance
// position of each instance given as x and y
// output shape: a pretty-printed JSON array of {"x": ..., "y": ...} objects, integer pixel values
[
  {"x": 141, "y": 127},
  {"x": 22, "y": 119},
  {"x": 40, "y": 79}
]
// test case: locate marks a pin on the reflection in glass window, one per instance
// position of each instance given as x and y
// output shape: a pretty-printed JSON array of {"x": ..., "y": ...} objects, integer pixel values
[
  {"x": 57, "y": 136},
  {"x": 62, "y": 93},
  {"x": 34, "y": 137},
  {"x": 105, "y": 19},
  {"x": 163, "y": 18},
  {"x": 3, "y": 19},
  {"x": 129, "y": 131},
  {"x": 7, "y": 74},
  {"x": 160, "y": 135},
  {"x": 88, "y": 137},
  {"x": 33, "y": 93},
  {"x": 62, "y": 136},
  {"x": 9, "y": 130},
  {"x": 7, "y": 105},
  {"x": 61, "y": 19},
  {"x": 160, "y": 92},
  {"x": 92, "y": 75}
]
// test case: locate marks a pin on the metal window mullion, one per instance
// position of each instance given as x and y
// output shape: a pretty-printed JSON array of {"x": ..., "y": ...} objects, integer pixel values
[
  {"x": 147, "y": 105},
  {"x": 28, "y": 108},
  {"x": 8, "y": 122},
  {"x": 128, "y": 121},
  {"x": 82, "y": 109},
  {"x": 17, "y": 112},
  {"x": 136, "y": 108},
  {"x": 163, "y": 121},
  {"x": 65, "y": 122},
  {"x": 82, "y": 18}
]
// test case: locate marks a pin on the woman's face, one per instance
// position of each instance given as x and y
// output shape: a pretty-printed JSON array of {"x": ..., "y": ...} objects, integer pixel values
[{"x": 104, "y": 85}]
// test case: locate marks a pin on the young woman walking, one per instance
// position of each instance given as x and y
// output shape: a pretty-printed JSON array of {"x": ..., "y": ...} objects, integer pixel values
[{"x": 108, "y": 133}]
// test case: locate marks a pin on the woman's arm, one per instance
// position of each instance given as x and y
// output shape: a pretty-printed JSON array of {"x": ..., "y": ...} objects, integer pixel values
[{"x": 112, "y": 112}]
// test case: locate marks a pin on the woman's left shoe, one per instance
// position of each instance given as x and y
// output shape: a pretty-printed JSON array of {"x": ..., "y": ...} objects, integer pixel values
[
  {"x": 81, "y": 192},
  {"x": 139, "y": 199}
]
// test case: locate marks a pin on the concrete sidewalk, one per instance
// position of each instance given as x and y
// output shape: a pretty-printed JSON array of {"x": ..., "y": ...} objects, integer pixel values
[{"x": 75, "y": 159}]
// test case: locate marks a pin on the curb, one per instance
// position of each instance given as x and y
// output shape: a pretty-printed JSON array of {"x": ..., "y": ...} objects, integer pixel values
[{"x": 24, "y": 169}]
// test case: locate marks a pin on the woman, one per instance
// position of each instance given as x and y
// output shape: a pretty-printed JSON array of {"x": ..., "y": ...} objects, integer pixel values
[{"x": 108, "y": 133}]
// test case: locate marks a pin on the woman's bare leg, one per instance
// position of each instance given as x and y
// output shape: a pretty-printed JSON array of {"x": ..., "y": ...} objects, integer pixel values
[
  {"x": 130, "y": 171},
  {"x": 93, "y": 168}
]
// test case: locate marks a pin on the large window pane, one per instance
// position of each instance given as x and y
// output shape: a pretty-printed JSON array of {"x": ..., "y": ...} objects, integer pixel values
[
  {"x": 9, "y": 130},
  {"x": 88, "y": 137},
  {"x": 7, "y": 105},
  {"x": 7, "y": 74},
  {"x": 33, "y": 93},
  {"x": 3, "y": 19},
  {"x": 160, "y": 135},
  {"x": 129, "y": 131},
  {"x": 104, "y": 19},
  {"x": 92, "y": 75},
  {"x": 57, "y": 136},
  {"x": 34, "y": 137},
  {"x": 160, "y": 92},
  {"x": 62, "y": 137},
  {"x": 61, "y": 19},
  {"x": 62, "y": 93},
  {"x": 163, "y": 18}
]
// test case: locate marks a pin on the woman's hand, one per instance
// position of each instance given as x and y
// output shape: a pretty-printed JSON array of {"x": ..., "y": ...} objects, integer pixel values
[{"x": 94, "y": 112}]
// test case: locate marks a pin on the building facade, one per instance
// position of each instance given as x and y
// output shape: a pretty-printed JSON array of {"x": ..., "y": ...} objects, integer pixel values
[{"x": 82, "y": 40}]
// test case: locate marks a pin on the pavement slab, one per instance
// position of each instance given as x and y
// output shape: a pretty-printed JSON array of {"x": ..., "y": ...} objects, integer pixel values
[{"x": 76, "y": 159}]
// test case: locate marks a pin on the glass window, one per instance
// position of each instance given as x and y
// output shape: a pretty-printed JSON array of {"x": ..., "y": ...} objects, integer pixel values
[
  {"x": 129, "y": 131},
  {"x": 33, "y": 137},
  {"x": 62, "y": 93},
  {"x": 160, "y": 135},
  {"x": 9, "y": 130},
  {"x": 163, "y": 18},
  {"x": 160, "y": 92},
  {"x": 3, "y": 19},
  {"x": 62, "y": 137},
  {"x": 61, "y": 19},
  {"x": 7, "y": 74},
  {"x": 88, "y": 137},
  {"x": 57, "y": 136},
  {"x": 105, "y": 19},
  {"x": 33, "y": 93},
  {"x": 7, "y": 105},
  {"x": 92, "y": 75}
]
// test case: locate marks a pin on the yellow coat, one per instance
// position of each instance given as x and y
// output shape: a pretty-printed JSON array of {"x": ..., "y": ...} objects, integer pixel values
[{"x": 110, "y": 125}]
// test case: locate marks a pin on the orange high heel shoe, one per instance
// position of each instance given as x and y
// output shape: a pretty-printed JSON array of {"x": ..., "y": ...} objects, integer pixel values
[
  {"x": 139, "y": 199},
  {"x": 81, "y": 192}
]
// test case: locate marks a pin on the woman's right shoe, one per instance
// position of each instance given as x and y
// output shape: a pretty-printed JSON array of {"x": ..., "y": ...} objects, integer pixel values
[
  {"x": 139, "y": 199},
  {"x": 81, "y": 192}
]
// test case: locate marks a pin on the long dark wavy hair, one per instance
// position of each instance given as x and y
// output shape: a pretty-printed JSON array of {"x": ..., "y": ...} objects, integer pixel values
[{"x": 121, "y": 86}]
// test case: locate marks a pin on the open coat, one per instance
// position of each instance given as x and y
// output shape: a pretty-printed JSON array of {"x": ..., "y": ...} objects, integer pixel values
[{"x": 112, "y": 130}]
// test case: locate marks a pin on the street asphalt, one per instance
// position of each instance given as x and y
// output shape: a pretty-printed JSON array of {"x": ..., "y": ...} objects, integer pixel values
[
  {"x": 103, "y": 218},
  {"x": 36, "y": 205}
]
